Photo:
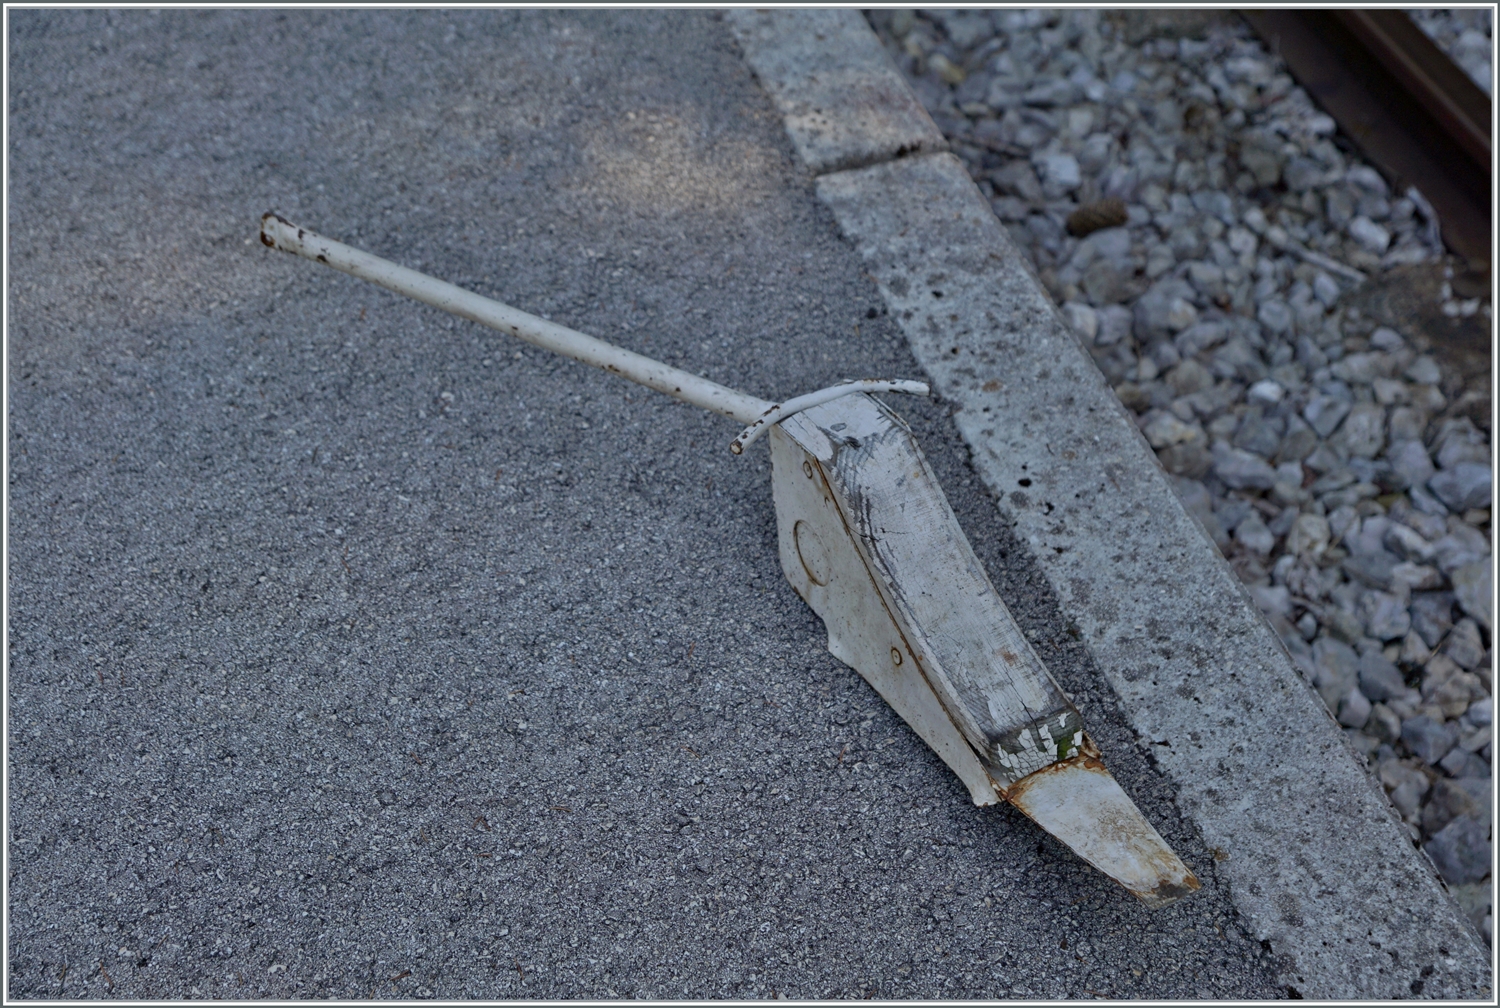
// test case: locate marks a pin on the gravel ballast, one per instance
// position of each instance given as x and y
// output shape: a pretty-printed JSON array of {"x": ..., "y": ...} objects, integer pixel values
[
  {"x": 1464, "y": 34},
  {"x": 1282, "y": 323}
]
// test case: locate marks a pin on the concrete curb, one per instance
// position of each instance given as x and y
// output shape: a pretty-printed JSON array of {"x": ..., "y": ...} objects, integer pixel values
[
  {"x": 1318, "y": 863},
  {"x": 842, "y": 102}
]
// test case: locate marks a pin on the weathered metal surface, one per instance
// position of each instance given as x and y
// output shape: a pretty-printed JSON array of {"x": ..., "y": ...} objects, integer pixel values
[
  {"x": 1428, "y": 75},
  {"x": 868, "y": 540},
  {"x": 1080, "y": 803},
  {"x": 829, "y": 573},
  {"x": 972, "y": 652}
]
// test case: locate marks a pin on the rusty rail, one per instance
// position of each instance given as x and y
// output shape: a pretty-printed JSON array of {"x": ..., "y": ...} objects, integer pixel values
[{"x": 1408, "y": 107}]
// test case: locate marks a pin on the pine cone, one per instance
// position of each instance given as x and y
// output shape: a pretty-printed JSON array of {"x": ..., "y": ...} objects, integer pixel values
[{"x": 1091, "y": 217}]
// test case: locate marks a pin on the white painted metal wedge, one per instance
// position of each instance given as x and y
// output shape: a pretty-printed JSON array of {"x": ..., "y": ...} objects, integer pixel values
[{"x": 869, "y": 541}]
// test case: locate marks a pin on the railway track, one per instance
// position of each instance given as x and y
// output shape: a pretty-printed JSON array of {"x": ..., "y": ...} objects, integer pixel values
[{"x": 1410, "y": 109}]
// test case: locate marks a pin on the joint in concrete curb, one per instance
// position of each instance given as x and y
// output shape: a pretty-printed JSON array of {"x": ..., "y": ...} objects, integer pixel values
[{"x": 844, "y": 105}]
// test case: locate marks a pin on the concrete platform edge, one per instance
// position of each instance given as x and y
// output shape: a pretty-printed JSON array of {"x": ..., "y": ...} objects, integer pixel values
[
  {"x": 1318, "y": 863},
  {"x": 842, "y": 103}
]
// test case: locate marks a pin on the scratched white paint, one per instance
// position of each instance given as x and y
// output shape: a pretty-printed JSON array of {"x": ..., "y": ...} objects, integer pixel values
[{"x": 868, "y": 540}]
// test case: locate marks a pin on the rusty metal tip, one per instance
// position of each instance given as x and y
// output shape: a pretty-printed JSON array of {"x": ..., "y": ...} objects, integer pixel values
[
  {"x": 1079, "y": 802},
  {"x": 737, "y": 448},
  {"x": 266, "y": 239}
]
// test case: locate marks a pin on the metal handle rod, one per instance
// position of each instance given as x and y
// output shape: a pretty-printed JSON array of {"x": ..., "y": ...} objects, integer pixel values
[
  {"x": 279, "y": 233},
  {"x": 791, "y": 407}
]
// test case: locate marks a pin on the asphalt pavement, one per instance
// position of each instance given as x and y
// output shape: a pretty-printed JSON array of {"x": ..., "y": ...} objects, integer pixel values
[{"x": 356, "y": 650}]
